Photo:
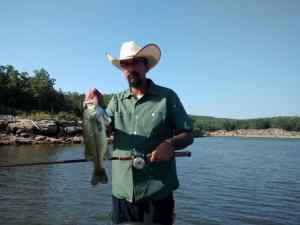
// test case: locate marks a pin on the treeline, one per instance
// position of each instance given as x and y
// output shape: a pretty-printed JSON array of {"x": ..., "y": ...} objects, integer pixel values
[
  {"x": 24, "y": 92},
  {"x": 202, "y": 124}
]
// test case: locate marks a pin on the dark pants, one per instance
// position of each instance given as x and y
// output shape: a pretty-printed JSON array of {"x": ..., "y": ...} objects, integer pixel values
[{"x": 161, "y": 211}]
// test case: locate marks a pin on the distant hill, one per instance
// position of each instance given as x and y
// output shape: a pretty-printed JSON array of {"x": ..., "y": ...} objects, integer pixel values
[{"x": 202, "y": 124}]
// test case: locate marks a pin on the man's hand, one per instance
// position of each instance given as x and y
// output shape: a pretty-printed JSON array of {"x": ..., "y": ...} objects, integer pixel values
[{"x": 163, "y": 152}]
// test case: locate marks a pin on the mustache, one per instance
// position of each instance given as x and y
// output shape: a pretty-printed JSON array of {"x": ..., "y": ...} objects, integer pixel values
[
  {"x": 134, "y": 79},
  {"x": 133, "y": 74}
]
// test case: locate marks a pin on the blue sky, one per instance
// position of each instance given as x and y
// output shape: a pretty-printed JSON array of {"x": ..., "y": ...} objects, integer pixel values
[{"x": 236, "y": 59}]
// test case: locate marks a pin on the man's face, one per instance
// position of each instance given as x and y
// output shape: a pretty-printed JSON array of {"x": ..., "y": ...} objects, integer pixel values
[{"x": 135, "y": 71}]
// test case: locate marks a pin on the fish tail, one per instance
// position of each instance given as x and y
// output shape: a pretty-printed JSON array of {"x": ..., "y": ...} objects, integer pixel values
[{"x": 99, "y": 176}]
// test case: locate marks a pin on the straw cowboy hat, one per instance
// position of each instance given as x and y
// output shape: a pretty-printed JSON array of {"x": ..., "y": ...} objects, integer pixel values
[{"x": 130, "y": 50}]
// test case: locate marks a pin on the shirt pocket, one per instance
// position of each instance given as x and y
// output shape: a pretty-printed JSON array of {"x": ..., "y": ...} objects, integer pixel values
[
  {"x": 155, "y": 124},
  {"x": 118, "y": 120},
  {"x": 122, "y": 121},
  {"x": 122, "y": 127}
]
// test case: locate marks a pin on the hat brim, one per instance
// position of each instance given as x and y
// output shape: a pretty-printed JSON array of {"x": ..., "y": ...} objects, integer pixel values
[{"x": 151, "y": 52}]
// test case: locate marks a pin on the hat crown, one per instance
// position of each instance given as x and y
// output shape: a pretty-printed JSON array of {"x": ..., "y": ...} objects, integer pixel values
[{"x": 129, "y": 49}]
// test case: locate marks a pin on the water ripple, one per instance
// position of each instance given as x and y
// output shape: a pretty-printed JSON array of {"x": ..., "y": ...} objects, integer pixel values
[{"x": 228, "y": 181}]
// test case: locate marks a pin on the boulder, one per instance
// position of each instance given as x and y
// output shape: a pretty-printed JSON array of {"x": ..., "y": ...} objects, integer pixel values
[
  {"x": 66, "y": 123},
  {"x": 24, "y": 135},
  {"x": 3, "y": 125},
  {"x": 68, "y": 140},
  {"x": 6, "y": 139},
  {"x": 73, "y": 130},
  {"x": 40, "y": 138},
  {"x": 21, "y": 125},
  {"x": 47, "y": 127},
  {"x": 51, "y": 140},
  {"x": 77, "y": 140},
  {"x": 21, "y": 140}
]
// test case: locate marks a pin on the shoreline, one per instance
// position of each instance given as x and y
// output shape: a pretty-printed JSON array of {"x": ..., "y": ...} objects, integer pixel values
[
  {"x": 256, "y": 133},
  {"x": 25, "y": 131}
]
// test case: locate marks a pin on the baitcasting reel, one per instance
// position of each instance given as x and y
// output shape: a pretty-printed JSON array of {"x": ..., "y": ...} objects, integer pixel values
[{"x": 139, "y": 161}]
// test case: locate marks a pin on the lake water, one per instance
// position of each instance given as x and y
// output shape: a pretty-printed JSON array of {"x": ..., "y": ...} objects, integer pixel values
[{"x": 228, "y": 181}]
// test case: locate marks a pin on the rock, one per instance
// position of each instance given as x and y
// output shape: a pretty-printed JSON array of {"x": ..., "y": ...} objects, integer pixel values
[
  {"x": 61, "y": 132},
  {"x": 19, "y": 131},
  {"x": 268, "y": 133},
  {"x": 7, "y": 117},
  {"x": 6, "y": 139},
  {"x": 54, "y": 140},
  {"x": 6, "y": 142},
  {"x": 38, "y": 142},
  {"x": 72, "y": 130},
  {"x": 77, "y": 139},
  {"x": 68, "y": 140},
  {"x": 24, "y": 135},
  {"x": 66, "y": 123},
  {"x": 47, "y": 127},
  {"x": 40, "y": 138},
  {"x": 21, "y": 140},
  {"x": 3, "y": 125},
  {"x": 21, "y": 126}
]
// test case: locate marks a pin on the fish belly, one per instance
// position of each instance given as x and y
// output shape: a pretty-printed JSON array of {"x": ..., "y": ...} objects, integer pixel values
[{"x": 95, "y": 145}]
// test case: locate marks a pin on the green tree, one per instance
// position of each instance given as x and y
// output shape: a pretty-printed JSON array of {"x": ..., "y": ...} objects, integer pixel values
[{"x": 43, "y": 91}]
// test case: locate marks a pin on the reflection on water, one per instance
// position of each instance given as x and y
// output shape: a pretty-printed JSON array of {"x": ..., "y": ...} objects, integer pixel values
[
  {"x": 55, "y": 194},
  {"x": 227, "y": 181}
]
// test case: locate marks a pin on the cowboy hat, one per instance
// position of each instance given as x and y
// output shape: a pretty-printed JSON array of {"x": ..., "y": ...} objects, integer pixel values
[{"x": 130, "y": 50}]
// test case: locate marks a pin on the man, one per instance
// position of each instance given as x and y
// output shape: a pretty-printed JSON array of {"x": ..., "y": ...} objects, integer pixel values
[{"x": 146, "y": 119}]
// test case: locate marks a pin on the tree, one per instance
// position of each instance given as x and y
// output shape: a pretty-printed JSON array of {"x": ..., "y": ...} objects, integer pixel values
[{"x": 43, "y": 91}]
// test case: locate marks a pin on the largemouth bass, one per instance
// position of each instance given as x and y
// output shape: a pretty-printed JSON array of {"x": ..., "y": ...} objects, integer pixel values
[{"x": 94, "y": 134}]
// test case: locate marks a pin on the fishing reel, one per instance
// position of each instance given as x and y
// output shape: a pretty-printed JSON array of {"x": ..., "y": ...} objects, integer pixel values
[{"x": 139, "y": 161}]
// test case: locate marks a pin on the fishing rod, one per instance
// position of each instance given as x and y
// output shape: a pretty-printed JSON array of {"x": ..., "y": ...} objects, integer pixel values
[{"x": 139, "y": 160}]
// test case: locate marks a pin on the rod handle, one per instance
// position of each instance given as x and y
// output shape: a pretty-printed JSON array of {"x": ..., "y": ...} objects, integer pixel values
[{"x": 183, "y": 154}]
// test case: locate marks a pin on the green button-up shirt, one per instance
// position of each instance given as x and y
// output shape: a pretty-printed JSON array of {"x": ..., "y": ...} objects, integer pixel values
[{"x": 139, "y": 126}]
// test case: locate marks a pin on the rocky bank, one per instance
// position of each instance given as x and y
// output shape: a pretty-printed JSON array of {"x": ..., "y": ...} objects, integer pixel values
[
  {"x": 25, "y": 131},
  {"x": 266, "y": 133}
]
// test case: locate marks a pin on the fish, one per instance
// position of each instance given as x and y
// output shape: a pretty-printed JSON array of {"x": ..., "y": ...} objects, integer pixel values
[{"x": 95, "y": 141}]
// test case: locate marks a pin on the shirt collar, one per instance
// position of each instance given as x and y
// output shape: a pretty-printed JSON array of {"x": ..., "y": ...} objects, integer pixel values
[{"x": 152, "y": 89}]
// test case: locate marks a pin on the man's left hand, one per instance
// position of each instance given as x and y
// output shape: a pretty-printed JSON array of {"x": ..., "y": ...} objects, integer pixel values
[{"x": 163, "y": 152}]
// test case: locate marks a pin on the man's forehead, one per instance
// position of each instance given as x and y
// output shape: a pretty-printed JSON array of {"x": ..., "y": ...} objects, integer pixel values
[{"x": 135, "y": 59}]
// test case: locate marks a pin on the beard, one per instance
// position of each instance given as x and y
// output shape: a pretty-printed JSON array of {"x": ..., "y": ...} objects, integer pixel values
[{"x": 134, "y": 80}]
